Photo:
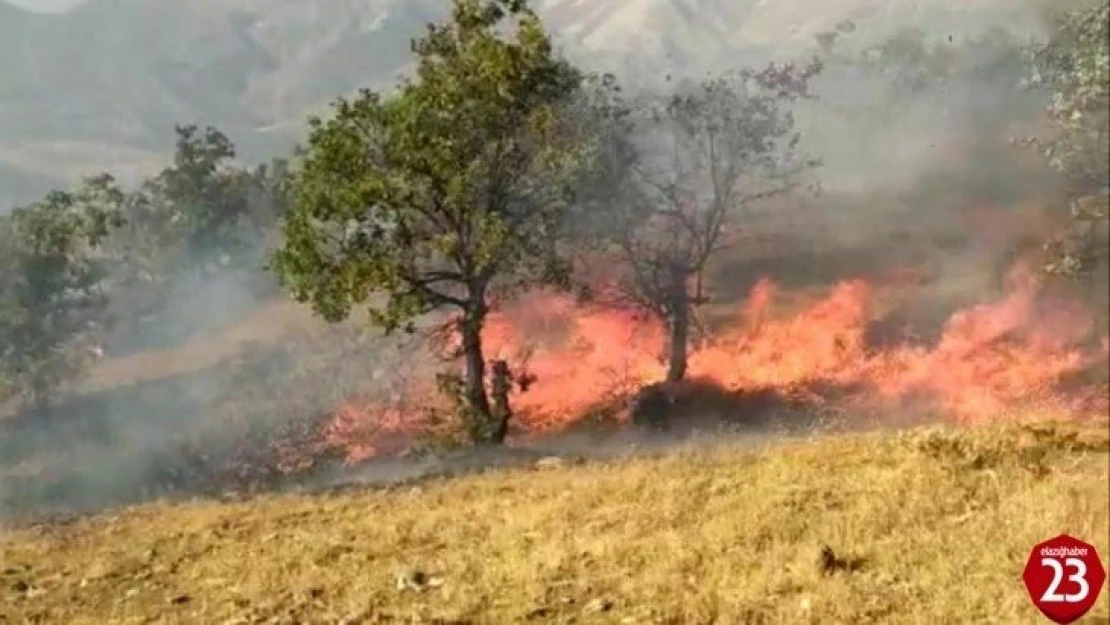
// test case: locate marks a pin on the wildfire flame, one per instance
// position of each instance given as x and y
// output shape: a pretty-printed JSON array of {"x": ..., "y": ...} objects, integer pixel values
[{"x": 989, "y": 360}]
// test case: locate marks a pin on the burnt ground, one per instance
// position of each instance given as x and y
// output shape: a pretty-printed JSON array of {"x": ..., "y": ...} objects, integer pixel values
[{"x": 703, "y": 416}]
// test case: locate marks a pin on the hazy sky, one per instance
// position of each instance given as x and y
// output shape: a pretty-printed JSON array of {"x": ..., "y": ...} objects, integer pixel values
[{"x": 44, "y": 5}]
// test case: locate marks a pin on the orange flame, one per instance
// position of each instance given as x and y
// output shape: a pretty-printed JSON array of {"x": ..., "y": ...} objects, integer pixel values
[{"x": 989, "y": 359}]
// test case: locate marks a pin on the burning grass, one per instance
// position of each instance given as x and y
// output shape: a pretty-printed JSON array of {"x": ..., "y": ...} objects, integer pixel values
[
  {"x": 291, "y": 410},
  {"x": 909, "y": 340},
  {"x": 925, "y": 526},
  {"x": 1028, "y": 345}
]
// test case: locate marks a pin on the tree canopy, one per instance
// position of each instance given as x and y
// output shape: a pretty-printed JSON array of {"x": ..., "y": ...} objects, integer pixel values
[
  {"x": 53, "y": 298},
  {"x": 704, "y": 155},
  {"x": 80, "y": 262},
  {"x": 440, "y": 195},
  {"x": 1074, "y": 65},
  {"x": 202, "y": 210}
]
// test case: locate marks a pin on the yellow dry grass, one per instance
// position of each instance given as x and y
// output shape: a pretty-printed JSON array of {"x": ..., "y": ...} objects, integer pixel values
[{"x": 928, "y": 526}]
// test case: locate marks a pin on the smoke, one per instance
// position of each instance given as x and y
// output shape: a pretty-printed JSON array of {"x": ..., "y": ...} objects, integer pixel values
[
  {"x": 222, "y": 374},
  {"x": 918, "y": 135}
]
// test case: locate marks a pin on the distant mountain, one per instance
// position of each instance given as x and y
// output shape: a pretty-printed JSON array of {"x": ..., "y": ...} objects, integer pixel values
[{"x": 100, "y": 86}]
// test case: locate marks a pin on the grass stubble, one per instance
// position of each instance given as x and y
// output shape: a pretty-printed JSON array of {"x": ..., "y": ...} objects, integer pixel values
[{"x": 926, "y": 526}]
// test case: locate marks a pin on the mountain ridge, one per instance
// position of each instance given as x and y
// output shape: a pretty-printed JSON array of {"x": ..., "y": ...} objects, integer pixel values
[{"x": 117, "y": 74}]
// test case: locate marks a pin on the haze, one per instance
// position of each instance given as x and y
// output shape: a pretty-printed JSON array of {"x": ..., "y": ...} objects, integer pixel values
[{"x": 101, "y": 87}]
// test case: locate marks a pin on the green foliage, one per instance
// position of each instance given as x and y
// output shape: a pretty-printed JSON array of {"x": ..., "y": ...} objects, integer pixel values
[
  {"x": 453, "y": 189},
  {"x": 429, "y": 195},
  {"x": 202, "y": 210},
  {"x": 52, "y": 295},
  {"x": 77, "y": 259},
  {"x": 1074, "y": 64},
  {"x": 202, "y": 214}
]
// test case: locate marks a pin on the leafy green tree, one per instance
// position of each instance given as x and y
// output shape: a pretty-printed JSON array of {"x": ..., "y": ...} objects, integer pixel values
[
  {"x": 52, "y": 289},
  {"x": 706, "y": 154},
  {"x": 203, "y": 210},
  {"x": 202, "y": 214},
  {"x": 447, "y": 194},
  {"x": 1074, "y": 64}
]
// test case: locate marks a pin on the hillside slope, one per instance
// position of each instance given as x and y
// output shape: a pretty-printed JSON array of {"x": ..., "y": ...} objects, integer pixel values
[
  {"x": 112, "y": 73},
  {"x": 923, "y": 527}
]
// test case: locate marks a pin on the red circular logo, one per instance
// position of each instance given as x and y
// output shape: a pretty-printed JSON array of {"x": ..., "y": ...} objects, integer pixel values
[{"x": 1064, "y": 577}]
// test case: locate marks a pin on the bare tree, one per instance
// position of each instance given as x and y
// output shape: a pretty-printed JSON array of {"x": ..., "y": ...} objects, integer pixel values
[{"x": 705, "y": 154}]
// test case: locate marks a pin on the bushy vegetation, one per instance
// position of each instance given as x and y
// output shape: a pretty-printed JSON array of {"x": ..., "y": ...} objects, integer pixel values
[
  {"x": 80, "y": 262},
  {"x": 1075, "y": 65},
  {"x": 52, "y": 293}
]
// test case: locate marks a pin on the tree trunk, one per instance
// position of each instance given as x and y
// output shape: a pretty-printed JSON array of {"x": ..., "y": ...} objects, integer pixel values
[
  {"x": 680, "y": 332},
  {"x": 474, "y": 383},
  {"x": 502, "y": 385},
  {"x": 40, "y": 400},
  {"x": 679, "y": 326}
]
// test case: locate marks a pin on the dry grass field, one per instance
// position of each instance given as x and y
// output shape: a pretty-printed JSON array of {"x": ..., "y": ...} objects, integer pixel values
[{"x": 923, "y": 526}]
